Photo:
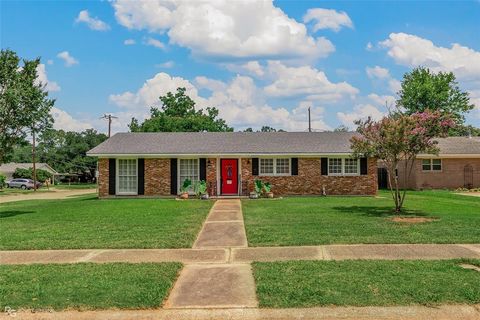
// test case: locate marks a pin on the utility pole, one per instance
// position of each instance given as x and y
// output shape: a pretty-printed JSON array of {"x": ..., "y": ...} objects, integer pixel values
[
  {"x": 309, "y": 121},
  {"x": 109, "y": 117},
  {"x": 34, "y": 168}
]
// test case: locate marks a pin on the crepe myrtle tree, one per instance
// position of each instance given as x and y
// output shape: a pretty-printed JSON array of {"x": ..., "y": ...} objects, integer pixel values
[{"x": 397, "y": 140}]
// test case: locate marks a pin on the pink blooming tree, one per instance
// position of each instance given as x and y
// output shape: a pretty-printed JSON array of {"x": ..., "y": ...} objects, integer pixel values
[{"x": 397, "y": 140}]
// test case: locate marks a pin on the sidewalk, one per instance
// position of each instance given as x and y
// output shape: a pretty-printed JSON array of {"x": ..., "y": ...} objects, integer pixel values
[
  {"x": 446, "y": 312},
  {"x": 247, "y": 255}
]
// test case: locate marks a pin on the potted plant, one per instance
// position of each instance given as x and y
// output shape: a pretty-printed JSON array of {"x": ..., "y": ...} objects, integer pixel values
[
  {"x": 184, "y": 188},
  {"x": 268, "y": 189},
  {"x": 258, "y": 189},
  {"x": 201, "y": 190}
]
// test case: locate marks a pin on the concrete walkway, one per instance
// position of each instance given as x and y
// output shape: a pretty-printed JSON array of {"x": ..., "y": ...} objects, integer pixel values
[
  {"x": 224, "y": 285},
  {"x": 445, "y": 312},
  {"x": 223, "y": 227},
  {"x": 247, "y": 255}
]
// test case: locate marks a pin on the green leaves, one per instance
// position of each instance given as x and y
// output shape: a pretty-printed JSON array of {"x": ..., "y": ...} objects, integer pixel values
[
  {"x": 424, "y": 90},
  {"x": 178, "y": 114},
  {"x": 24, "y": 103}
]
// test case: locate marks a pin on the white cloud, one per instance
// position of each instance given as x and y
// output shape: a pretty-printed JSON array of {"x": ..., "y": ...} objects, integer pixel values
[
  {"x": 92, "y": 22},
  {"x": 240, "y": 102},
  {"x": 154, "y": 43},
  {"x": 234, "y": 29},
  {"x": 129, "y": 42},
  {"x": 377, "y": 72},
  {"x": 153, "y": 88},
  {"x": 64, "y": 121},
  {"x": 411, "y": 50},
  {"x": 328, "y": 19},
  {"x": 50, "y": 86},
  {"x": 254, "y": 68},
  {"x": 67, "y": 58},
  {"x": 382, "y": 100},
  {"x": 360, "y": 112},
  {"x": 369, "y": 46},
  {"x": 306, "y": 81},
  {"x": 166, "y": 65}
]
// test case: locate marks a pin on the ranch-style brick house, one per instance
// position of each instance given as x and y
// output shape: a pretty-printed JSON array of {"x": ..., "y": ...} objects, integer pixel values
[
  {"x": 457, "y": 165},
  {"x": 295, "y": 163}
]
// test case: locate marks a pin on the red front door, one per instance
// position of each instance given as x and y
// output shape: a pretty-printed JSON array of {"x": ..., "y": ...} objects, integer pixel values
[{"x": 229, "y": 176}]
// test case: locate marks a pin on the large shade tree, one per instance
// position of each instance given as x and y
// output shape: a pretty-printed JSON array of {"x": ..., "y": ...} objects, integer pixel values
[
  {"x": 178, "y": 114},
  {"x": 422, "y": 90},
  {"x": 397, "y": 140},
  {"x": 24, "y": 103}
]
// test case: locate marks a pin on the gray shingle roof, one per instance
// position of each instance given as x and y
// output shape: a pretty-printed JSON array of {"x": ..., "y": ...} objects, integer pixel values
[
  {"x": 206, "y": 143},
  {"x": 459, "y": 145}
]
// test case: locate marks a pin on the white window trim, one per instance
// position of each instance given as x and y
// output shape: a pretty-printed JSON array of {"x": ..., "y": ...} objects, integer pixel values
[
  {"x": 178, "y": 173},
  {"x": 343, "y": 168},
  {"x": 275, "y": 174},
  {"x": 431, "y": 165},
  {"x": 117, "y": 182}
]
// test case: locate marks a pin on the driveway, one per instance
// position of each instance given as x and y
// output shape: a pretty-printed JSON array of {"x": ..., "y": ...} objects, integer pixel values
[{"x": 47, "y": 195}]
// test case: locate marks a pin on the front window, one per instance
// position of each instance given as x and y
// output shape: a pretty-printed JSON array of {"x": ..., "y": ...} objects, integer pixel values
[
  {"x": 275, "y": 167},
  {"x": 432, "y": 164},
  {"x": 335, "y": 165},
  {"x": 343, "y": 166},
  {"x": 189, "y": 169},
  {"x": 351, "y": 166},
  {"x": 127, "y": 176}
]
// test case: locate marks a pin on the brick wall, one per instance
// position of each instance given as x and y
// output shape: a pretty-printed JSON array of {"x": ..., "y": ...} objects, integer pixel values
[
  {"x": 157, "y": 177},
  {"x": 212, "y": 176},
  {"x": 451, "y": 176},
  {"x": 103, "y": 177},
  {"x": 310, "y": 181}
]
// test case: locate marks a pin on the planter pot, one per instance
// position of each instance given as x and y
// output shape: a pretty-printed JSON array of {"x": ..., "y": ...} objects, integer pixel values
[
  {"x": 253, "y": 195},
  {"x": 269, "y": 194},
  {"x": 204, "y": 197},
  {"x": 184, "y": 195}
]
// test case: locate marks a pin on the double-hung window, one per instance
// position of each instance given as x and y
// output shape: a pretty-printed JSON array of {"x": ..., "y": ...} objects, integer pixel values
[
  {"x": 343, "y": 166},
  {"x": 127, "y": 176},
  {"x": 188, "y": 169},
  {"x": 432, "y": 164},
  {"x": 275, "y": 167}
]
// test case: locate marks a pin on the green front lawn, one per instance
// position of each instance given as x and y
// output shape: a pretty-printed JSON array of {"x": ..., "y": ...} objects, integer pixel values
[
  {"x": 86, "y": 285},
  {"x": 86, "y": 222},
  {"x": 328, "y": 220},
  {"x": 365, "y": 283}
]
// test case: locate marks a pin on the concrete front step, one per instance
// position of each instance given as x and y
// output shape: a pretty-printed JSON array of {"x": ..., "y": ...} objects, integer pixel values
[{"x": 214, "y": 286}]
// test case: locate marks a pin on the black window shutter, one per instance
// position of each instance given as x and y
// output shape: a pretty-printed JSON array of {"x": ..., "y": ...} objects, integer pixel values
[
  {"x": 254, "y": 166},
  {"x": 173, "y": 176},
  {"x": 324, "y": 164},
  {"x": 141, "y": 176},
  {"x": 363, "y": 166},
  {"x": 112, "y": 172},
  {"x": 203, "y": 169},
  {"x": 294, "y": 166}
]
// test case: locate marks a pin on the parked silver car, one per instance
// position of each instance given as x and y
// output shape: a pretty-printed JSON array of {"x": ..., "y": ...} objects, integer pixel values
[{"x": 22, "y": 183}]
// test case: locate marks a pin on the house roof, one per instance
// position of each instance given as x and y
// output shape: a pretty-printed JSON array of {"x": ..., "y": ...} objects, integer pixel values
[
  {"x": 459, "y": 145},
  {"x": 211, "y": 143},
  {"x": 10, "y": 167}
]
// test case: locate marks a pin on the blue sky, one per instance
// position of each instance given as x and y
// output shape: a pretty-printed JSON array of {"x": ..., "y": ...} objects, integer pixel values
[{"x": 259, "y": 63}]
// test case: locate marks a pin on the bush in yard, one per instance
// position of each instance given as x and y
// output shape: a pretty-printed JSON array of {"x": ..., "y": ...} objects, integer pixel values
[
  {"x": 42, "y": 175},
  {"x": 400, "y": 137},
  {"x": 3, "y": 178}
]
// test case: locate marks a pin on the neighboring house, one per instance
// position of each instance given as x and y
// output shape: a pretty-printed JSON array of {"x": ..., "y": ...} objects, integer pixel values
[
  {"x": 295, "y": 163},
  {"x": 457, "y": 165},
  {"x": 9, "y": 168}
]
